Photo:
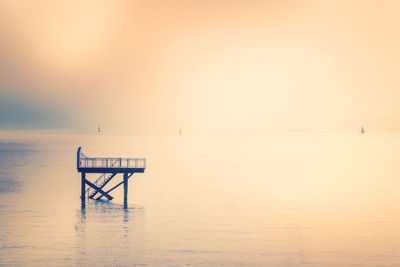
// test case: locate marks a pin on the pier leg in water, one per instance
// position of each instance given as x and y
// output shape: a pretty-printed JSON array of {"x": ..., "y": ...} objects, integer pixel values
[
  {"x": 125, "y": 190},
  {"x": 83, "y": 188}
]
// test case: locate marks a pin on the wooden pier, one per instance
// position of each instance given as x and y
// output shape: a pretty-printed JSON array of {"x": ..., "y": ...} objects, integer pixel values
[{"x": 109, "y": 168}]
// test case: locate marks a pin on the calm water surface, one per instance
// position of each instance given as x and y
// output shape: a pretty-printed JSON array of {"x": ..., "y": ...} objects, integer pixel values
[{"x": 306, "y": 200}]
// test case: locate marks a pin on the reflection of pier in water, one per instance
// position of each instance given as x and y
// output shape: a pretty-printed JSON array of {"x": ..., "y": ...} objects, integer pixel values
[{"x": 109, "y": 169}]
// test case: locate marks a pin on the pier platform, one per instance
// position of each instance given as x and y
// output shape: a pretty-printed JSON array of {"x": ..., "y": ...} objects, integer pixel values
[{"x": 109, "y": 168}]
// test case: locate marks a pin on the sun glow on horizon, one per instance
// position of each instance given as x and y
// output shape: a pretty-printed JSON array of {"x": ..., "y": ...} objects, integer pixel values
[{"x": 245, "y": 68}]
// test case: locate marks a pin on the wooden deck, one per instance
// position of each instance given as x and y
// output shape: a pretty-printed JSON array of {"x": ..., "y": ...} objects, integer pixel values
[{"x": 109, "y": 165}]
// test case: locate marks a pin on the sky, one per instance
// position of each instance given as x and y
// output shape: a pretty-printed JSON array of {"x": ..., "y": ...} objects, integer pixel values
[{"x": 208, "y": 67}]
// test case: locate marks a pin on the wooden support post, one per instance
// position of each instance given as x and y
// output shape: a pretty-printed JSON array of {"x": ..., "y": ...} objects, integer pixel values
[
  {"x": 125, "y": 190},
  {"x": 83, "y": 188}
]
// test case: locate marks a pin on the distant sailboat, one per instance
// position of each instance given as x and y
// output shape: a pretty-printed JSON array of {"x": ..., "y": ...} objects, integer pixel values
[
  {"x": 98, "y": 129},
  {"x": 362, "y": 130}
]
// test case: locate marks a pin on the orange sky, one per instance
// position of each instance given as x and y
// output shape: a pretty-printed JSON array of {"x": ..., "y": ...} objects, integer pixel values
[{"x": 210, "y": 67}]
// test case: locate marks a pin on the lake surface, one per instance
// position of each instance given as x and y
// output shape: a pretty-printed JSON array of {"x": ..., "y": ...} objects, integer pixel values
[{"x": 279, "y": 200}]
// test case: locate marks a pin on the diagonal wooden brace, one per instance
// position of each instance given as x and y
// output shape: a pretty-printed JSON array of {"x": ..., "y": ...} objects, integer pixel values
[
  {"x": 101, "y": 187},
  {"x": 129, "y": 176},
  {"x": 99, "y": 190}
]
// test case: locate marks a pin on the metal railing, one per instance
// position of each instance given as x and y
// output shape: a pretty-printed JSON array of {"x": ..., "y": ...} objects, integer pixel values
[{"x": 85, "y": 162}]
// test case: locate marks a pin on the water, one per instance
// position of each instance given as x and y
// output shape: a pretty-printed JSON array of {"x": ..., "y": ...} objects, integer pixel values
[{"x": 289, "y": 200}]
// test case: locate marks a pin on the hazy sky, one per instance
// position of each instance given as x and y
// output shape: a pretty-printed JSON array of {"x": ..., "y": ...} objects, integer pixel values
[{"x": 209, "y": 67}]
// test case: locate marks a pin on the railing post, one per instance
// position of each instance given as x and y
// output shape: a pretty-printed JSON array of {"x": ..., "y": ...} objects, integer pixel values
[{"x": 78, "y": 157}]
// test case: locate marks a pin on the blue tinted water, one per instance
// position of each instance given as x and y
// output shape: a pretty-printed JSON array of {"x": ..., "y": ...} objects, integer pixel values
[{"x": 294, "y": 200}]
